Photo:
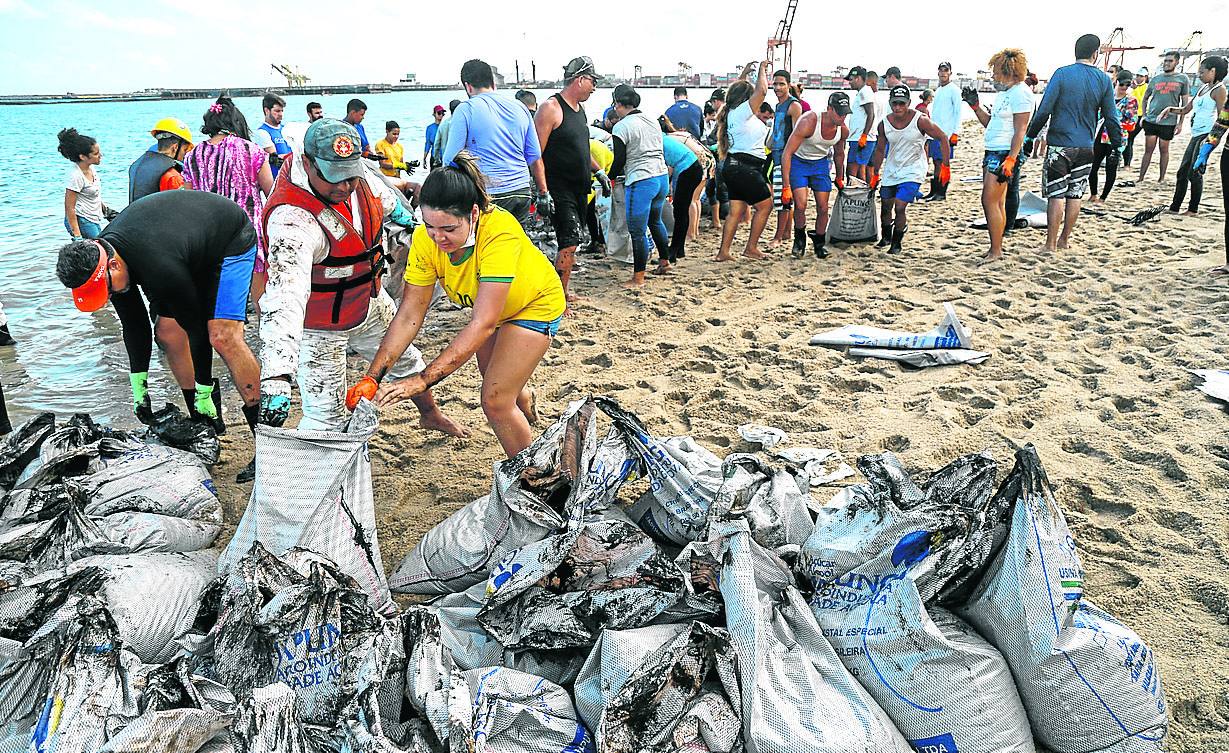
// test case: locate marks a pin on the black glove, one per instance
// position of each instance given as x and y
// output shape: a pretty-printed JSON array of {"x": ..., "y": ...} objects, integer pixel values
[
  {"x": 275, "y": 161},
  {"x": 409, "y": 166},
  {"x": 1026, "y": 150},
  {"x": 969, "y": 95},
  {"x": 108, "y": 213}
]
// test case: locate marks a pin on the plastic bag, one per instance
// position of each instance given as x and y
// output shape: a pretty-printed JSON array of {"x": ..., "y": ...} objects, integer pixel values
[
  {"x": 796, "y": 693},
  {"x": 174, "y": 429},
  {"x": 618, "y": 239},
  {"x": 329, "y": 507},
  {"x": 855, "y": 216},
  {"x": 1089, "y": 682},
  {"x": 771, "y": 500},
  {"x": 53, "y": 531},
  {"x": 530, "y": 497},
  {"x": 158, "y": 480},
  {"x": 179, "y": 713},
  {"x": 516, "y": 712},
  {"x": 22, "y": 446},
  {"x": 662, "y": 688}
]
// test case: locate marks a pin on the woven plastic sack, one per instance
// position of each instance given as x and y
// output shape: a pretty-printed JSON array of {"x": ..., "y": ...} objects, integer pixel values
[
  {"x": 1089, "y": 682},
  {"x": 325, "y": 505},
  {"x": 662, "y": 688},
  {"x": 516, "y": 712},
  {"x": 156, "y": 480},
  {"x": 179, "y": 713},
  {"x": 797, "y": 695},
  {"x": 21, "y": 446},
  {"x": 855, "y": 216},
  {"x": 618, "y": 239}
]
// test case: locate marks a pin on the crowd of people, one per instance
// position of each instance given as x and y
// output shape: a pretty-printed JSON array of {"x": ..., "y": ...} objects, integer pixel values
[{"x": 304, "y": 227}]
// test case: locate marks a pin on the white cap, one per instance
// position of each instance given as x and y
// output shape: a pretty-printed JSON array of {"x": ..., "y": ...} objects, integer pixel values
[{"x": 1142, "y": 71}]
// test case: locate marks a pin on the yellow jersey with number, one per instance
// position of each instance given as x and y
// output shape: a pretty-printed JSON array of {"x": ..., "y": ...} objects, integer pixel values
[
  {"x": 501, "y": 253},
  {"x": 392, "y": 153}
]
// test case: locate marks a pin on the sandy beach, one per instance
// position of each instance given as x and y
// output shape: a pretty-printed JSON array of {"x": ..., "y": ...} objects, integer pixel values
[{"x": 1089, "y": 346}]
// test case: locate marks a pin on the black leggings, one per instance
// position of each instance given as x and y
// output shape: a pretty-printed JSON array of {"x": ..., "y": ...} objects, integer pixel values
[
  {"x": 1101, "y": 153},
  {"x": 1186, "y": 174},
  {"x": 684, "y": 189},
  {"x": 1130, "y": 150},
  {"x": 1011, "y": 206},
  {"x": 595, "y": 229},
  {"x": 1224, "y": 181}
]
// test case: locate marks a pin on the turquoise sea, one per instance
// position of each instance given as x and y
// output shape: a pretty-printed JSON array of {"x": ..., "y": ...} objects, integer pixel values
[{"x": 67, "y": 361}]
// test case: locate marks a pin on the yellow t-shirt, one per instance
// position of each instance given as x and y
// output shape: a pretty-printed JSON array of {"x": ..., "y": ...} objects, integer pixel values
[
  {"x": 1138, "y": 93},
  {"x": 502, "y": 253},
  {"x": 392, "y": 153},
  {"x": 601, "y": 154}
]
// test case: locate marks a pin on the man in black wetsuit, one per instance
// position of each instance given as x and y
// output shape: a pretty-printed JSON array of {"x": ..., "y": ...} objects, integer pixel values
[
  {"x": 196, "y": 271},
  {"x": 563, "y": 133}
]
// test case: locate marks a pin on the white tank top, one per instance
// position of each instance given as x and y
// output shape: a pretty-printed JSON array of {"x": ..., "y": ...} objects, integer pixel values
[
  {"x": 906, "y": 160},
  {"x": 815, "y": 147},
  {"x": 1203, "y": 115}
]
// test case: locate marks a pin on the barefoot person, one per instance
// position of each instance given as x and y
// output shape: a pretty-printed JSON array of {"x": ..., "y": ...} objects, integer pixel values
[
  {"x": 806, "y": 164},
  {"x": 1005, "y": 125},
  {"x": 484, "y": 261},
  {"x": 1076, "y": 96},
  {"x": 1206, "y": 105},
  {"x": 901, "y": 152},
  {"x": 639, "y": 157},
  {"x": 740, "y": 144},
  {"x": 1201, "y": 163},
  {"x": 1167, "y": 92},
  {"x": 324, "y": 224}
]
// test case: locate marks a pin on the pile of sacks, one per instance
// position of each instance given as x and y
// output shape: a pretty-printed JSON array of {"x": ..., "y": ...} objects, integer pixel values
[{"x": 616, "y": 591}]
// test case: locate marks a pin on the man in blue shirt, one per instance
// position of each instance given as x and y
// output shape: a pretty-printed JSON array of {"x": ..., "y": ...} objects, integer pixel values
[
  {"x": 269, "y": 134},
  {"x": 683, "y": 114},
  {"x": 429, "y": 157},
  {"x": 1077, "y": 97},
  {"x": 356, "y": 110},
  {"x": 500, "y": 134}
]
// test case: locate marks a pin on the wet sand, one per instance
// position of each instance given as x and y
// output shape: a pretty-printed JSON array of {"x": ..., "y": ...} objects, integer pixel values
[{"x": 1090, "y": 347}]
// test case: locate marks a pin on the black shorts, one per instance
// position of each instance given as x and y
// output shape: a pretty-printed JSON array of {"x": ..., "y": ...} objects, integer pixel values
[
  {"x": 1165, "y": 132},
  {"x": 1066, "y": 172},
  {"x": 569, "y": 215},
  {"x": 744, "y": 179}
]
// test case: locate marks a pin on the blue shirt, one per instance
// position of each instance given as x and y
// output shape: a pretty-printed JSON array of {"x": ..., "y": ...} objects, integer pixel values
[
  {"x": 499, "y": 133},
  {"x": 684, "y": 114},
  {"x": 362, "y": 136},
  {"x": 678, "y": 156},
  {"x": 1076, "y": 98},
  {"x": 431, "y": 131}
]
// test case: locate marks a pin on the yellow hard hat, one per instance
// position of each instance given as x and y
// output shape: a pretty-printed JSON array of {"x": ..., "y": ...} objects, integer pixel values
[{"x": 173, "y": 126}]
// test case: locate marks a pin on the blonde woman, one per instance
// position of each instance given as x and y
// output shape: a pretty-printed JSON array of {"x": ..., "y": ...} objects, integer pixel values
[{"x": 1005, "y": 122}]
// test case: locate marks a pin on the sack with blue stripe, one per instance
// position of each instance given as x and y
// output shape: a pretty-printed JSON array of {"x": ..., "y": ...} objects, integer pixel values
[
  {"x": 1089, "y": 682},
  {"x": 879, "y": 554}
]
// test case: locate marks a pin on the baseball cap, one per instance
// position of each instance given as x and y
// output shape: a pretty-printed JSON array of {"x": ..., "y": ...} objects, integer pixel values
[
  {"x": 945, "y": 65},
  {"x": 580, "y": 66},
  {"x": 899, "y": 93},
  {"x": 839, "y": 101},
  {"x": 334, "y": 145},
  {"x": 854, "y": 72},
  {"x": 718, "y": 94},
  {"x": 1142, "y": 71},
  {"x": 92, "y": 294},
  {"x": 439, "y": 108}
]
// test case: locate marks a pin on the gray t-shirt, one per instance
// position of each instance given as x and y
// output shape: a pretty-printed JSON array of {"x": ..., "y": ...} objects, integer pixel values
[{"x": 1165, "y": 90}]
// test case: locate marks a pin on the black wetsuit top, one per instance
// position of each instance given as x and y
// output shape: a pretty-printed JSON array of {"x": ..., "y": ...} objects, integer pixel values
[
  {"x": 566, "y": 156},
  {"x": 174, "y": 243}
]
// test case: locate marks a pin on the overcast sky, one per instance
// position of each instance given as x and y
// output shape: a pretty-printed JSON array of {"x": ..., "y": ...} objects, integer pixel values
[{"x": 50, "y": 46}]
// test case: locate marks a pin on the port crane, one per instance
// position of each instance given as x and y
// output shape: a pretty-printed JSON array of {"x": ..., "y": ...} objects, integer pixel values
[
  {"x": 293, "y": 78},
  {"x": 1192, "y": 47},
  {"x": 781, "y": 39},
  {"x": 1116, "y": 43},
  {"x": 684, "y": 72}
]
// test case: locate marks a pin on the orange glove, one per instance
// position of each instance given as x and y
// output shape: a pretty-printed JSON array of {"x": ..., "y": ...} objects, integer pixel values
[
  {"x": 874, "y": 180},
  {"x": 787, "y": 195},
  {"x": 1009, "y": 167},
  {"x": 945, "y": 173},
  {"x": 862, "y": 141},
  {"x": 840, "y": 184},
  {"x": 366, "y": 387},
  {"x": 955, "y": 139}
]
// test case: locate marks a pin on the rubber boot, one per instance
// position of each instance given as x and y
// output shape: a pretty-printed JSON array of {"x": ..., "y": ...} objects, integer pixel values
[
  {"x": 250, "y": 414},
  {"x": 886, "y": 240},
  {"x": 898, "y": 236},
  {"x": 817, "y": 240},
  {"x": 934, "y": 186},
  {"x": 939, "y": 193},
  {"x": 800, "y": 242},
  {"x": 5, "y": 337}
]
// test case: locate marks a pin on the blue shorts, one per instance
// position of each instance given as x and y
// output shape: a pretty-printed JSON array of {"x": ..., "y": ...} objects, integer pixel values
[
  {"x": 935, "y": 152},
  {"x": 813, "y": 174},
  {"x": 906, "y": 192},
  {"x": 233, "y": 285},
  {"x": 860, "y": 155},
  {"x": 550, "y": 329},
  {"x": 994, "y": 159}
]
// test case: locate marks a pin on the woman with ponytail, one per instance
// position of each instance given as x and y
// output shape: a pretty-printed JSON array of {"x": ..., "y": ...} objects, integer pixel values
[
  {"x": 484, "y": 261},
  {"x": 740, "y": 143},
  {"x": 83, "y": 208}
]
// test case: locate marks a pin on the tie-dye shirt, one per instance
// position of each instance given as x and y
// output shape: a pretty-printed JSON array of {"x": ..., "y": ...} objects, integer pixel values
[{"x": 230, "y": 168}]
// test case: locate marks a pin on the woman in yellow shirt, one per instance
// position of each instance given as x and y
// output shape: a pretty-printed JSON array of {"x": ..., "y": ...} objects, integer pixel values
[
  {"x": 391, "y": 151},
  {"x": 482, "y": 258}
]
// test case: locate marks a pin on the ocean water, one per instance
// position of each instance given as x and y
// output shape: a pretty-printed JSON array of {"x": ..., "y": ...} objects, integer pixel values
[{"x": 68, "y": 361}]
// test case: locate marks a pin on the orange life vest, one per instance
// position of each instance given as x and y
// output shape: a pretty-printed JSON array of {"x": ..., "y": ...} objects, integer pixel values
[{"x": 344, "y": 281}]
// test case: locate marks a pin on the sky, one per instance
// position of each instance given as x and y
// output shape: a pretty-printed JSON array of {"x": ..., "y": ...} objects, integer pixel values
[{"x": 86, "y": 46}]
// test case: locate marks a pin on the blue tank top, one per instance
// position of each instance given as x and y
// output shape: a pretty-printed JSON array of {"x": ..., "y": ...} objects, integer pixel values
[
  {"x": 781, "y": 125},
  {"x": 1203, "y": 112}
]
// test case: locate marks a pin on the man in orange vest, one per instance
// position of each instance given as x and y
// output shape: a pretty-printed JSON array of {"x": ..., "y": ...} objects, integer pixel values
[{"x": 325, "y": 227}]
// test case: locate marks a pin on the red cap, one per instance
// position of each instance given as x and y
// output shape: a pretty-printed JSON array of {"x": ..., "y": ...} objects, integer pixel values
[
  {"x": 440, "y": 108},
  {"x": 92, "y": 294}
]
